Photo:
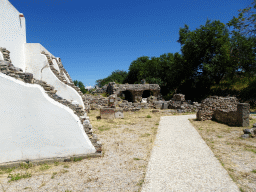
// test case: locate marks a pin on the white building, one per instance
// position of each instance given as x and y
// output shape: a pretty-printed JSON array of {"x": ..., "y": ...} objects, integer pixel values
[{"x": 33, "y": 125}]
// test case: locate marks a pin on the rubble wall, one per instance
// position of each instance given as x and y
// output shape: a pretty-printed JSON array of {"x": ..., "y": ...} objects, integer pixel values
[{"x": 211, "y": 104}]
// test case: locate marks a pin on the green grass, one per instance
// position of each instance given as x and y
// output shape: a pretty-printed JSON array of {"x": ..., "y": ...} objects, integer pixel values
[
  {"x": 103, "y": 129},
  {"x": 56, "y": 163},
  {"x": 254, "y": 171},
  {"x": 148, "y": 116},
  {"x": 250, "y": 148},
  {"x": 136, "y": 158},
  {"x": 66, "y": 166},
  {"x": 15, "y": 177},
  {"x": 26, "y": 165},
  {"x": 53, "y": 174},
  {"x": 77, "y": 159},
  {"x": 145, "y": 135},
  {"x": 44, "y": 167}
]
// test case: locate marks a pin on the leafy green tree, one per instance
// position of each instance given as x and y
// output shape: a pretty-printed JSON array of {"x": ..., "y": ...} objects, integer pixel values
[
  {"x": 117, "y": 76},
  {"x": 136, "y": 72},
  {"x": 244, "y": 39},
  {"x": 80, "y": 85},
  {"x": 206, "y": 54},
  {"x": 245, "y": 23}
]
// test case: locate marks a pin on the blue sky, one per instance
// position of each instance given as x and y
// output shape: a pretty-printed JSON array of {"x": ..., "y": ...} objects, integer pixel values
[{"x": 94, "y": 38}]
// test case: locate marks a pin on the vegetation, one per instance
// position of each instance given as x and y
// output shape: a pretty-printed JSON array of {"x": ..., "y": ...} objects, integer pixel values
[
  {"x": 214, "y": 58},
  {"x": 117, "y": 76},
  {"x": 81, "y": 86}
]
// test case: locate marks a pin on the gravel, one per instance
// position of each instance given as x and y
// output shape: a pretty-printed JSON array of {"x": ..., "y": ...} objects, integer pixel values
[{"x": 182, "y": 161}]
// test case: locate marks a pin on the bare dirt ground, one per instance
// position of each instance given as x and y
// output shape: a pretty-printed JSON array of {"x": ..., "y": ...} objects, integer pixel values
[
  {"x": 127, "y": 144},
  {"x": 237, "y": 155}
]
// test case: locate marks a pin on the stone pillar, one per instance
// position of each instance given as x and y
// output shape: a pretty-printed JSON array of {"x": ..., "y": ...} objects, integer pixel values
[
  {"x": 243, "y": 113},
  {"x": 111, "y": 101}
]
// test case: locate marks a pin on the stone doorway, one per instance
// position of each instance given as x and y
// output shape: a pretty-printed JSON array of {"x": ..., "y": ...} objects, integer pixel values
[
  {"x": 127, "y": 96},
  {"x": 146, "y": 93}
]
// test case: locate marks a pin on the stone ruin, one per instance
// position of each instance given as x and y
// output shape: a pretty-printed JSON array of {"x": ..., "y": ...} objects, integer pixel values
[
  {"x": 227, "y": 110},
  {"x": 134, "y": 92}
]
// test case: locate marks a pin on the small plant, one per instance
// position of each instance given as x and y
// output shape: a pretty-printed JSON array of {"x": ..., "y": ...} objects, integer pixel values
[
  {"x": 26, "y": 165},
  {"x": 77, "y": 159},
  {"x": 15, "y": 177},
  {"x": 219, "y": 136},
  {"x": 44, "y": 167},
  {"x": 136, "y": 158},
  {"x": 66, "y": 166},
  {"x": 53, "y": 174},
  {"x": 145, "y": 135},
  {"x": 140, "y": 182},
  {"x": 148, "y": 116},
  {"x": 56, "y": 163},
  {"x": 63, "y": 171},
  {"x": 157, "y": 123},
  {"x": 254, "y": 171},
  {"x": 103, "y": 129}
]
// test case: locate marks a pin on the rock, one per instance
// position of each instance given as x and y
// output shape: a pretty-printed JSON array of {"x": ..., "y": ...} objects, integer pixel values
[
  {"x": 254, "y": 125},
  {"x": 247, "y": 131},
  {"x": 155, "y": 111},
  {"x": 245, "y": 136}
]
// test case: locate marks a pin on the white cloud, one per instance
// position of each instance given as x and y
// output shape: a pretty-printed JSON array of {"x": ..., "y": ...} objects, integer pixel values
[{"x": 88, "y": 87}]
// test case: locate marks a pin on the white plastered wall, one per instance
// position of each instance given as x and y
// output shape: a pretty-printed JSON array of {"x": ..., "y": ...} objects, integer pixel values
[
  {"x": 37, "y": 64},
  {"x": 12, "y": 33},
  {"x": 34, "y": 126},
  {"x": 66, "y": 78},
  {"x": 1, "y": 56},
  {"x": 55, "y": 65}
]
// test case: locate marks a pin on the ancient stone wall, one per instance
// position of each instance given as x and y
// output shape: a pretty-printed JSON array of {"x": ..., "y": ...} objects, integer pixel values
[
  {"x": 239, "y": 117},
  {"x": 178, "y": 102},
  {"x": 135, "y": 89},
  {"x": 212, "y": 103}
]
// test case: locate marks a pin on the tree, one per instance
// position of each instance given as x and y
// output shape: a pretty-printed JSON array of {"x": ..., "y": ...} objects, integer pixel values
[
  {"x": 206, "y": 58},
  {"x": 245, "y": 23},
  {"x": 80, "y": 85},
  {"x": 244, "y": 39},
  {"x": 117, "y": 76},
  {"x": 136, "y": 72}
]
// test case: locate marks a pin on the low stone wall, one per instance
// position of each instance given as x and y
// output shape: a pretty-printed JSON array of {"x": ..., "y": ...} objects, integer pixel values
[
  {"x": 227, "y": 117},
  {"x": 210, "y": 104},
  {"x": 178, "y": 102},
  {"x": 240, "y": 117}
]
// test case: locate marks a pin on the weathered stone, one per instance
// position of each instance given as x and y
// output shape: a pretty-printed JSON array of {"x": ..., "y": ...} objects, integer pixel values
[
  {"x": 245, "y": 136},
  {"x": 247, "y": 131},
  {"x": 107, "y": 113},
  {"x": 119, "y": 114}
]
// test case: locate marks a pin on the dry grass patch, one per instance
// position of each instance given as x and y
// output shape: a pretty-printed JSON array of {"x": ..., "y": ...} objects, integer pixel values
[{"x": 237, "y": 155}]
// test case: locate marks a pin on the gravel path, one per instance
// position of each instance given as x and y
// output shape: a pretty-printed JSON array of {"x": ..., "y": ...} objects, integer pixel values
[{"x": 182, "y": 161}]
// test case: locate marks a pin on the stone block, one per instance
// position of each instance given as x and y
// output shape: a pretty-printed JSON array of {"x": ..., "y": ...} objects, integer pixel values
[
  {"x": 199, "y": 115},
  {"x": 243, "y": 113},
  {"x": 107, "y": 113},
  {"x": 119, "y": 114},
  {"x": 164, "y": 105}
]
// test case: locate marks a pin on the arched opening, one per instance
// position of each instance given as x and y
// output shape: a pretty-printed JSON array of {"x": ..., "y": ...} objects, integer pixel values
[
  {"x": 146, "y": 93},
  {"x": 127, "y": 96},
  {"x": 1, "y": 56}
]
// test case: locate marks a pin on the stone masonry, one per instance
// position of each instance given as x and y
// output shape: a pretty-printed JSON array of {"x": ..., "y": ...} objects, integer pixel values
[
  {"x": 136, "y": 90},
  {"x": 212, "y": 103}
]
